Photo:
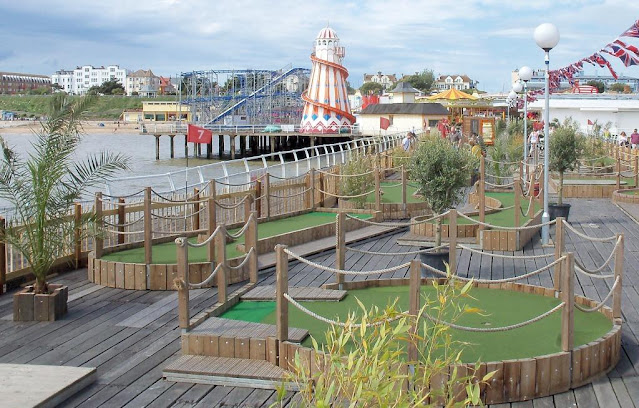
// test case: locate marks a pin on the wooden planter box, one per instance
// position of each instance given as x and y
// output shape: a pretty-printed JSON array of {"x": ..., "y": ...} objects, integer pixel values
[
  {"x": 618, "y": 196},
  {"x": 27, "y": 306},
  {"x": 390, "y": 211}
]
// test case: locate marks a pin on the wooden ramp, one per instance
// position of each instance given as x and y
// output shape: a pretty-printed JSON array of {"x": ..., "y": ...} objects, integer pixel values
[
  {"x": 233, "y": 372},
  {"x": 267, "y": 293},
  {"x": 217, "y": 326}
]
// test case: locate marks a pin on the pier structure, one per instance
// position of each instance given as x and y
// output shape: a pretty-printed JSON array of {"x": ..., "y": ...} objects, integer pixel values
[{"x": 247, "y": 141}]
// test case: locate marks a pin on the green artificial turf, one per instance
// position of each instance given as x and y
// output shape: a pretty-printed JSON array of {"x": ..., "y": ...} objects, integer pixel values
[
  {"x": 166, "y": 253},
  {"x": 631, "y": 192},
  {"x": 500, "y": 308},
  {"x": 393, "y": 194}
]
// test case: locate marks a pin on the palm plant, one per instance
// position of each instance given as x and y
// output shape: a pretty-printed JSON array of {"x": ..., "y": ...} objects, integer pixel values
[{"x": 43, "y": 187}]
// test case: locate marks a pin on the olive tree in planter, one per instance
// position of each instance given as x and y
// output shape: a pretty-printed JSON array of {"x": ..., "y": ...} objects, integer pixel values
[
  {"x": 566, "y": 146},
  {"x": 441, "y": 171},
  {"x": 42, "y": 188}
]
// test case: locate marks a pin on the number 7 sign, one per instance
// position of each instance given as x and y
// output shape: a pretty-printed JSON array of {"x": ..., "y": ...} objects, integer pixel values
[{"x": 197, "y": 134}]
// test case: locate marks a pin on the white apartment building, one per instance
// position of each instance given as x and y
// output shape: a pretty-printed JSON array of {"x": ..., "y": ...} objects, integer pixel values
[
  {"x": 459, "y": 82},
  {"x": 78, "y": 81}
]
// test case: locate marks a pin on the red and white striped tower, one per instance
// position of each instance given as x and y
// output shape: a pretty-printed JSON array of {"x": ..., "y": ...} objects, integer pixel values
[{"x": 327, "y": 108}]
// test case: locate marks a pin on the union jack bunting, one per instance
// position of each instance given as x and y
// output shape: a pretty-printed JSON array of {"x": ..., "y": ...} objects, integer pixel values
[
  {"x": 628, "y": 47},
  {"x": 622, "y": 53},
  {"x": 633, "y": 31}
]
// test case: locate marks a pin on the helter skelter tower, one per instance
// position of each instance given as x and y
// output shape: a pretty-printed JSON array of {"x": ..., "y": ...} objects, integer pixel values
[{"x": 326, "y": 109}]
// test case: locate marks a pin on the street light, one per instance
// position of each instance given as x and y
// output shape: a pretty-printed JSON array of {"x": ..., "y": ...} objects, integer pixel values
[
  {"x": 525, "y": 75},
  {"x": 546, "y": 36},
  {"x": 512, "y": 96}
]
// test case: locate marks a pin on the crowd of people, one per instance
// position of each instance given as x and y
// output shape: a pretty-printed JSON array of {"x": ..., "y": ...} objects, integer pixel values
[{"x": 624, "y": 140}]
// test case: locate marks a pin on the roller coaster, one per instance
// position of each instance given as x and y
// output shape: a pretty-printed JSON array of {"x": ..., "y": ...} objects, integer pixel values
[{"x": 245, "y": 97}]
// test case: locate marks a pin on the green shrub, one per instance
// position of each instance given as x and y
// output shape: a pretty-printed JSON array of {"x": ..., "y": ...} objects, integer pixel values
[
  {"x": 566, "y": 148},
  {"x": 359, "y": 167}
]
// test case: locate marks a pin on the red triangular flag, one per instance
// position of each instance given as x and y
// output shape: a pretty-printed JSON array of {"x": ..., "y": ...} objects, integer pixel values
[
  {"x": 590, "y": 122},
  {"x": 384, "y": 123},
  {"x": 197, "y": 134}
]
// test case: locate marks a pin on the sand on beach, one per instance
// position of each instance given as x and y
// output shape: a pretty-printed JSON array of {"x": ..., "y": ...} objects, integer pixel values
[{"x": 26, "y": 126}]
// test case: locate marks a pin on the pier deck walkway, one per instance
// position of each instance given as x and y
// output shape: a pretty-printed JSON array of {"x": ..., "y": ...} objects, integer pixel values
[{"x": 130, "y": 336}]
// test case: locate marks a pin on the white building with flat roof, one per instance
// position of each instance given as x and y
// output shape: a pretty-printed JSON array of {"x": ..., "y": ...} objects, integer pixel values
[
  {"x": 81, "y": 79},
  {"x": 622, "y": 111}
]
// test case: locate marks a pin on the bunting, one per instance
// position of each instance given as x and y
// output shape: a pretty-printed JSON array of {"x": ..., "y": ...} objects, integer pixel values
[{"x": 633, "y": 31}]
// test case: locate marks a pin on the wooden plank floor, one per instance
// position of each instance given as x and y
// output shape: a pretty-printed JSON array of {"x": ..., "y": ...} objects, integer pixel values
[
  {"x": 267, "y": 293},
  {"x": 131, "y": 336}
]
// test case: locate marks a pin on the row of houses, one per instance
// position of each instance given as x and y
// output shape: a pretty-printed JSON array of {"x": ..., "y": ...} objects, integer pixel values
[
  {"x": 14, "y": 82},
  {"x": 141, "y": 82},
  {"x": 441, "y": 83}
]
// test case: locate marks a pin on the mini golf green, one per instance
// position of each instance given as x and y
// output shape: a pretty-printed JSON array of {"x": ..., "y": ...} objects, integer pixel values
[
  {"x": 500, "y": 308},
  {"x": 166, "y": 253},
  {"x": 393, "y": 194}
]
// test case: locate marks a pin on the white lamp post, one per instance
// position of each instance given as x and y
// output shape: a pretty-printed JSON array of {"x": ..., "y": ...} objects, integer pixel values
[
  {"x": 546, "y": 36},
  {"x": 525, "y": 75},
  {"x": 512, "y": 96}
]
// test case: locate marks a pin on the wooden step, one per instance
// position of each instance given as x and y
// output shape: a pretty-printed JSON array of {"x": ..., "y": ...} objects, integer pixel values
[
  {"x": 233, "y": 372},
  {"x": 219, "y": 326},
  {"x": 300, "y": 293}
]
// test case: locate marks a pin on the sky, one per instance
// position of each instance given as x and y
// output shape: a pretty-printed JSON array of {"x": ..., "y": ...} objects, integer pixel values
[{"x": 484, "y": 39}]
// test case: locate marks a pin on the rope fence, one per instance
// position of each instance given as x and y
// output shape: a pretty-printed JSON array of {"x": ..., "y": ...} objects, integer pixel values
[
  {"x": 602, "y": 303},
  {"x": 345, "y": 272}
]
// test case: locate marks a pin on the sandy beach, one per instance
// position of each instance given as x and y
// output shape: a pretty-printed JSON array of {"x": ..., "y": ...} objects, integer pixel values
[{"x": 24, "y": 126}]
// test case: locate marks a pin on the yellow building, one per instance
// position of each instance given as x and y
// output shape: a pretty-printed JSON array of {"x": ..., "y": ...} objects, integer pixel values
[{"x": 165, "y": 111}]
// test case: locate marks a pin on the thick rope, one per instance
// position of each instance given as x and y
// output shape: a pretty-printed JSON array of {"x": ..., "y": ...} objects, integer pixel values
[
  {"x": 167, "y": 232},
  {"x": 591, "y": 275},
  {"x": 584, "y": 236},
  {"x": 506, "y": 228},
  {"x": 496, "y": 329},
  {"x": 124, "y": 196},
  {"x": 206, "y": 281},
  {"x": 397, "y": 224},
  {"x": 247, "y": 257},
  {"x": 291, "y": 195},
  {"x": 231, "y": 206},
  {"x": 335, "y": 322},
  {"x": 128, "y": 224},
  {"x": 499, "y": 208},
  {"x": 168, "y": 217},
  {"x": 206, "y": 241},
  {"x": 498, "y": 177},
  {"x": 345, "y": 175},
  {"x": 505, "y": 256},
  {"x": 345, "y": 196},
  {"x": 499, "y": 185},
  {"x": 346, "y": 272},
  {"x": 606, "y": 262},
  {"x": 124, "y": 232},
  {"x": 419, "y": 251},
  {"x": 505, "y": 280},
  {"x": 600, "y": 304},
  {"x": 241, "y": 231}
]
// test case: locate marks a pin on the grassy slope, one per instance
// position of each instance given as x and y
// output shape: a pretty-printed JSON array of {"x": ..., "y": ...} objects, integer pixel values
[
  {"x": 500, "y": 308},
  {"x": 106, "y": 107},
  {"x": 166, "y": 253}
]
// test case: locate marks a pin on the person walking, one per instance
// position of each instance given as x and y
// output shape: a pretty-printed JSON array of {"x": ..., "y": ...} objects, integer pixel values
[
  {"x": 634, "y": 139},
  {"x": 622, "y": 140}
]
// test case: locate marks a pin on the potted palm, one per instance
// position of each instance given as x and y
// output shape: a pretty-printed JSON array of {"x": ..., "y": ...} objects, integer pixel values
[
  {"x": 566, "y": 148},
  {"x": 441, "y": 171},
  {"x": 41, "y": 189}
]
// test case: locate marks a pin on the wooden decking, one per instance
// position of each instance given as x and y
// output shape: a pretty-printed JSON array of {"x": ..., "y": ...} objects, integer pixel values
[
  {"x": 236, "y": 328},
  {"x": 131, "y": 336},
  {"x": 267, "y": 293}
]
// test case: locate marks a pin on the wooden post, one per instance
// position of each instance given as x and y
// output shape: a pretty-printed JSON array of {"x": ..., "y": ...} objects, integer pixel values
[
  {"x": 281, "y": 287},
  {"x": 3, "y": 257},
  {"x": 248, "y": 206},
  {"x": 250, "y": 241},
  {"x": 378, "y": 193},
  {"x": 531, "y": 193},
  {"x": 322, "y": 188},
  {"x": 232, "y": 147},
  {"x": 414, "y": 306},
  {"x": 210, "y": 228},
  {"x": 258, "y": 199},
  {"x": 267, "y": 194},
  {"x": 98, "y": 241},
  {"x": 517, "y": 201},
  {"x": 521, "y": 170},
  {"x": 560, "y": 247},
  {"x": 452, "y": 240},
  {"x": 616, "y": 296},
  {"x": 568, "y": 296},
  {"x": 121, "y": 220},
  {"x": 636, "y": 170},
  {"x": 77, "y": 238},
  {"x": 618, "y": 173},
  {"x": 148, "y": 227},
  {"x": 312, "y": 187},
  {"x": 196, "y": 209},
  {"x": 340, "y": 246},
  {"x": 308, "y": 195},
  {"x": 220, "y": 258},
  {"x": 482, "y": 191},
  {"x": 404, "y": 192},
  {"x": 183, "y": 286}
]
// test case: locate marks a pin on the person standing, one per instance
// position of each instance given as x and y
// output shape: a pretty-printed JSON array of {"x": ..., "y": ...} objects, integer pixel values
[
  {"x": 622, "y": 140},
  {"x": 634, "y": 139}
]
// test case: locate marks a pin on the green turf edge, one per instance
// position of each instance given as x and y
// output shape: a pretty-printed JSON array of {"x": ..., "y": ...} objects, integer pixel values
[{"x": 504, "y": 308}]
